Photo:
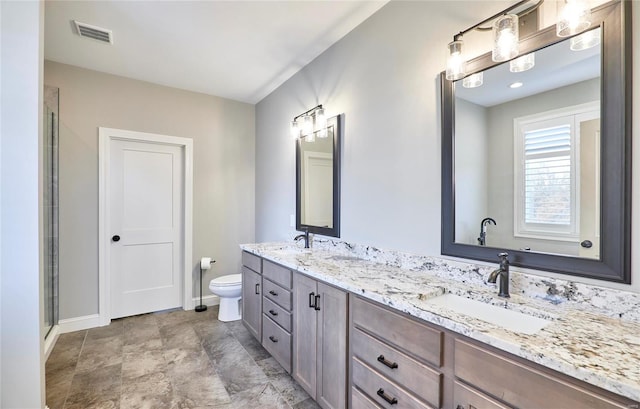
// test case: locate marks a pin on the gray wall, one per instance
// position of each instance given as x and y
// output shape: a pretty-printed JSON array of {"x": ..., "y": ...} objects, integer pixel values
[
  {"x": 471, "y": 169},
  {"x": 21, "y": 338},
  {"x": 383, "y": 76},
  {"x": 223, "y": 136}
]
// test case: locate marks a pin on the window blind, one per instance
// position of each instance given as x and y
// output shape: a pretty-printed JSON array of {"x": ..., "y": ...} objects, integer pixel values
[{"x": 547, "y": 175}]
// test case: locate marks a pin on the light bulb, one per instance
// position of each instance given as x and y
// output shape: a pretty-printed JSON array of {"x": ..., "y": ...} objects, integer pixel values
[
  {"x": 505, "y": 37},
  {"x": 585, "y": 40},
  {"x": 524, "y": 63},
  {"x": 455, "y": 61},
  {"x": 321, "y": 123},
  {"x": 473, "y": 80},
  {"x": 295, "y": 130},
  {"x": 307, "y": 125},
  {"x": 575, "y": 16}
]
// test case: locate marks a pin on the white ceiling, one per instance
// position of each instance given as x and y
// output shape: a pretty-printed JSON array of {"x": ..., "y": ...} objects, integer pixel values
[{"x": 240, "y": 50}]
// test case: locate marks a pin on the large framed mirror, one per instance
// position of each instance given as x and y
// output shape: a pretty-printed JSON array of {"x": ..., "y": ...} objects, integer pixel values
[
  {"x": 543, "y": 171},
  {"x": 318, "y": 180}
]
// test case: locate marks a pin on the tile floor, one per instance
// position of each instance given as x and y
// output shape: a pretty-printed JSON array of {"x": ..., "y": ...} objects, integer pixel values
[{"x": 175, "y": 360}]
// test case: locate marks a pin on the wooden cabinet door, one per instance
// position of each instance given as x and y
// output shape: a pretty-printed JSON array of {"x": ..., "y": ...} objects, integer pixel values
[
  {"x": 331, "y": 378},
  {"x": 252, "y": 302},
  {"x": 304, "y": 332}
]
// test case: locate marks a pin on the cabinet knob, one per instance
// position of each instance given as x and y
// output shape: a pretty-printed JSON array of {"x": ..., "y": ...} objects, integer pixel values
[
  {"x": 317, "y": 303},
  {"x": 272, "y": 312},
  {"x": 311, "y": 300},
  {"x": 257, "y": 288},
  {"x": 273, "y": 339},
  {"x": 116, "y": 238},
  {"x": 275, "y": 294}
]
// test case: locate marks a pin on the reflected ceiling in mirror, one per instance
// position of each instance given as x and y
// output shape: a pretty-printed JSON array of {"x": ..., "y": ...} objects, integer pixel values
[{"x": 527, "y": 158}]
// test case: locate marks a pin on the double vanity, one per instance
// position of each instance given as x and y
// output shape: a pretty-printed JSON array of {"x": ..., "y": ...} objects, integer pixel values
[{"x": 360, "y": 327}]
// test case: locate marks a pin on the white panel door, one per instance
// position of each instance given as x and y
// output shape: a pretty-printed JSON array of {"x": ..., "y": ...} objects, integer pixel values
[
  {"x": 318, "y": 188},
  {"x": 146, "y": 213}
]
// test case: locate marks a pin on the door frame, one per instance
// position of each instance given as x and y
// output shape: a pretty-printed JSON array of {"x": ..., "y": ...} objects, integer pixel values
[{"x": 105, "y": 137}]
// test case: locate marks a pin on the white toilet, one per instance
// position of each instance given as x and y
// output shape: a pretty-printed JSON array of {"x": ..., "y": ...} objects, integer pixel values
[{"x": 229, "y": 289}]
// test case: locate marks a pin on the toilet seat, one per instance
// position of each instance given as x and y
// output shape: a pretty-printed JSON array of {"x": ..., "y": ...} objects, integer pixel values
[{"x": 227, "y": 280}]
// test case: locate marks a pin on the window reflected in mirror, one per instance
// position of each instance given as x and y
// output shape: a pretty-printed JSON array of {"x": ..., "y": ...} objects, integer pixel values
[{"x": 528, "y": 157}]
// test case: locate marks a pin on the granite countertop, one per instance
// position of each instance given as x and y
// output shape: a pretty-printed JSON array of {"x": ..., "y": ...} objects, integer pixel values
[{"x": 594, "y": 334}]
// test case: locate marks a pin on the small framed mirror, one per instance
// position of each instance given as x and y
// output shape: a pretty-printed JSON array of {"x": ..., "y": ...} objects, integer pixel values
[
  {"x": 543, "y": 171},
  {"x": 318, "y": 180}
]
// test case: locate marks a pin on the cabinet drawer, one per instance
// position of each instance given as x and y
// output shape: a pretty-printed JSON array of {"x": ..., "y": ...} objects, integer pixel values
[
  {"x": 278, "y": 314},
  {"x": 276, "y": 273},
  {"x": 519, "y": 385},
  {"x": 277, "y": 294},
  {"x": 278, "y": 342},
  {"x": 466, "y": 397},
  {"x": 398, "y": 367},
  {"x": 362, "y": 401},
  {"x": 411, "y": 336},
  {"x": 251, "y": 261},
  {"x": 373, "y": 385}
]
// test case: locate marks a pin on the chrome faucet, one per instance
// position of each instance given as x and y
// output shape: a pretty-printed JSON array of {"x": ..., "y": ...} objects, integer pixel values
[
  {"x": 503, "y": 272},
  {"x": 304, "y": 236},
  {"x": 483, "y": 230}
]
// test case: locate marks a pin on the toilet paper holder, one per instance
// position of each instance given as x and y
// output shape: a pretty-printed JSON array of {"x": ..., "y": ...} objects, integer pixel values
[{"x": 205, "y": 264}]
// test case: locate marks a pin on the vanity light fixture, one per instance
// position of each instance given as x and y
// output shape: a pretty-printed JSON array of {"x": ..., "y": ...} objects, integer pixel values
[
  {"x": 585, "y": 40},
  {"x": 473, "y": 80},
  {"x": 505, "y": 39},
  {"x": 524, "y": 63},
  {"x": 303, "y": 124},
  {"x": 574, "y": 17}
]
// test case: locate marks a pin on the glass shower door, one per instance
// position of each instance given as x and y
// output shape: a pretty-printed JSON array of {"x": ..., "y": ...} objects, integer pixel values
[{"x": 50, "y": 210}]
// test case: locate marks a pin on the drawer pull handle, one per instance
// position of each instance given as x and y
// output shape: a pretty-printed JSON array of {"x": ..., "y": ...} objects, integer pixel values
[
  {"x": 257, "y": 288},
  {"x": 317, "y": 303},
  {"x": 273, "y": 339},
  {"x": 392, "y": 365},
  {"x": 275, "y": 294},
  {"x": 272, "y": 312},
  {"x": 389, "y": 399},
  {"x": 311, "y": 300}
]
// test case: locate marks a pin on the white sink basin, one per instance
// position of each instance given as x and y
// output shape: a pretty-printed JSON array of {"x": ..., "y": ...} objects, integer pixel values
[{"x": 512, "y": 320}]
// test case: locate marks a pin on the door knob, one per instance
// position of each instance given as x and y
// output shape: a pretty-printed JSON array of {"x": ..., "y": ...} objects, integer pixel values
[{"x": 116, "y": 238}]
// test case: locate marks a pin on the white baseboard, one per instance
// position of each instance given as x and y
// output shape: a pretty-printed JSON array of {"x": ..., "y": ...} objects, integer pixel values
[
  {"x": 209, "y": 300},
  {"x": 50, "y": 341},
  {"x": 79, "y": 323},
  {"x": 93, "y": 320}
]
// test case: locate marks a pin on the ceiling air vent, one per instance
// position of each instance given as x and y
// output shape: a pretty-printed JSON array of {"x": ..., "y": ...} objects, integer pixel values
[{"x": 97, "y": 33}]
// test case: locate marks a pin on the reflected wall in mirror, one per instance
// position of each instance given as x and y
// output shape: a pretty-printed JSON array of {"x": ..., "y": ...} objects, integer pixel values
[
  {"x": 544, "y": 171},
  {"x": 528, "y": 157},
  {"x": 318, "y": 181}
]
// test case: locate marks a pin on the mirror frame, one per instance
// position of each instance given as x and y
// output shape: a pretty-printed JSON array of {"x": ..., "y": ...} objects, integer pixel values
[
  {"x": 614, "y": 264},
  {"x": 334, "y": 231}
]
